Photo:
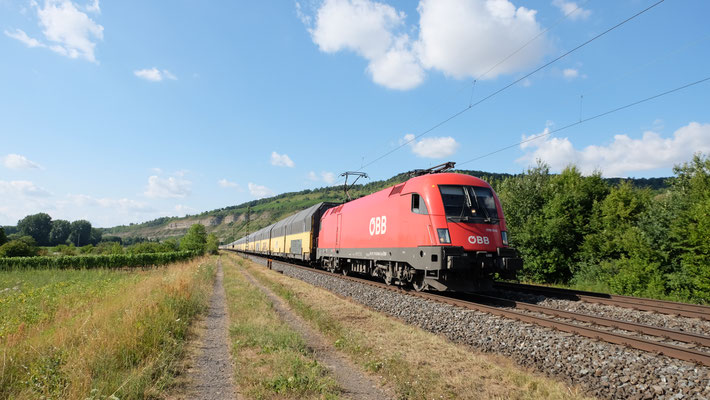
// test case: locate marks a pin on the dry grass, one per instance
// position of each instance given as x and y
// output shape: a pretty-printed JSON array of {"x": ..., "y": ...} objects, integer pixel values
[
  {"x": 123, "y": 340},
  {"x": 271, "y": 360},
  {"x": 418, "y": 364}
]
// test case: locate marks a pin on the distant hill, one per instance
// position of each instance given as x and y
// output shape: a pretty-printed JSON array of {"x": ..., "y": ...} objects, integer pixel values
[{"x": 229, "y": 223}]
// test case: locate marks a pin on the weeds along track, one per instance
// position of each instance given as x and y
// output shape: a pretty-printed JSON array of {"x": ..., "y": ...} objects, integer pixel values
[
  {"x": 636, "y": 303},
  {"x": 672, "y": 343}
]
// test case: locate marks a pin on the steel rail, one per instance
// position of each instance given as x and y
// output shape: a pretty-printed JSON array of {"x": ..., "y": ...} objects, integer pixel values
[
  {"x": 669, "y": 350},
  {"x": 687, "y": 337},
  {"x": 661, "y": 306}
]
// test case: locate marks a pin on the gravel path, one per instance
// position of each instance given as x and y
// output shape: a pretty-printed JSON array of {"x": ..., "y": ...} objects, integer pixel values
[
  {"x": 354, "y": 383},
  {"x": 605, "y": 370},
  {"x": 211, "y": 375}
]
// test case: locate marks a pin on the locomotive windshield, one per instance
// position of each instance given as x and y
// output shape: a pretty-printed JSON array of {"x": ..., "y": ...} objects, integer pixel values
[{"x": 469, "y": 203}]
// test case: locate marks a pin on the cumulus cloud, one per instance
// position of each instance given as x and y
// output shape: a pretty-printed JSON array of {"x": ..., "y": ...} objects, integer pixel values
[
  {"x": 569, "y": 7},
  {"x": 154, "y": 74},
  {"x": 22, "y": 189},
  {"x": 434, "y": 147},
  {"x": 370, "y": 29},
  {"x": 227, "y": 184},
  {"x": 16, "y": 161},
  {"x": 624, "y": 154},
  {"x": 67, "y": 30},
  {"x": 461, "y": 38},
  {"x": 281, "y": 160},
  {"x": 325, "y": 176},
  {"x": 171, "y": 187},
  {"x": 259, "y": 191},
  {"x": 94, "y": 7}
]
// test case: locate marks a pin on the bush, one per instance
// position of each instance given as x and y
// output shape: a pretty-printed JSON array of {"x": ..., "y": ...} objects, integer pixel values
[
  {"x": 17, "y": 248},
  {"x": 96, "y": 261}
]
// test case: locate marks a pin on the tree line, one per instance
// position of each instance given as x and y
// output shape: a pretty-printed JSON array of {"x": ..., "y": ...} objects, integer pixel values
[
  {"x": 34, "y": 233},
  {"x": 583, "y": 231}
]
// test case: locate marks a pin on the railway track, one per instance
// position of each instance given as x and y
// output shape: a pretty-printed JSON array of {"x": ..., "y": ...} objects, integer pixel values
[
  {"x": 560, "y": 320},
  {"x": 636, "y": 303}
]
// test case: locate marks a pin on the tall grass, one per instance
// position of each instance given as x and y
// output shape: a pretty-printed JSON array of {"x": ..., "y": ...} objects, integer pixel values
[
  {"x": 96, "y": 334},
  {"x": 274, "y": 362}
]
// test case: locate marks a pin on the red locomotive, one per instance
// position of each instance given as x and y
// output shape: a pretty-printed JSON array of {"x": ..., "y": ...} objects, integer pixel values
[
  {"x": 438, "y": 230},
  {"x": 443, "y": 231}
]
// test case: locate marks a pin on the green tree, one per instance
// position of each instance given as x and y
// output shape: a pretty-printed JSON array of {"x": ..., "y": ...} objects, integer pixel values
[
  {"x": 95, "y": 236},
  {"x": 38, "y": 226},
  {"x": 80, "y": 233},
  {"x": 195, "y": 239},
  {"x": 212, "y": 245},
  {"x": 60, "y": 232},
  {"x": 3, "y": 238},
  {"x": 691, "y": 229}
]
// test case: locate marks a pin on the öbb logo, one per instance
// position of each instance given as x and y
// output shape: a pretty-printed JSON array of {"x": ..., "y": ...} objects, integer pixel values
[
  {"x": 479, "y": 240},
  {"x": 378, "y": 225}
]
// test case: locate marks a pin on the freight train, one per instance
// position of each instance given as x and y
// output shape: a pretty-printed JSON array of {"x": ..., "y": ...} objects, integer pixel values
[{"x": 437, "y": 231}]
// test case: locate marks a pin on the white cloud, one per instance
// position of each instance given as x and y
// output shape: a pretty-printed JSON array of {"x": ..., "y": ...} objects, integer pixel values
[
  {"x": 16, "y": 161},
  {"x": 124, "y": 205},
  {"x": 171, "y": 187},
  {"x": 461, "y": 38},
  {"x": 71, "y": 32},
  {"x": 624, "y": 154},
  {"x": 20, "y": 35},
  {"x": 227, "y": 184},
  {"x": 22, "y": 189},
  {"x": 368, "y": 28},
  {"x": 570, "y": 73},
  {"x": 94, "y": 7},
  {"x": 281, "y": 160},
  {"x": 567, "y": 7},
  {"x": 154, "y": 74},
  {"x": 434, "y": 147},
  {"x": 328, "y": 177},
  {"x": 464, "y": 38},
  {"x": 259, "y": 191},
  {"x": 325, "y": 176}
]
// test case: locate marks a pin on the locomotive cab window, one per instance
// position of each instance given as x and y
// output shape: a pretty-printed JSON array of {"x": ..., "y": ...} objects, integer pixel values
[
  {"x": 469, "y": 203},
  {"x": 418, "y": 206}
]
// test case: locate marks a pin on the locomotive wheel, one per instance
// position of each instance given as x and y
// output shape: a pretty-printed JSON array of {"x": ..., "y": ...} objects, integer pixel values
[{"x": 418, "y": 284}]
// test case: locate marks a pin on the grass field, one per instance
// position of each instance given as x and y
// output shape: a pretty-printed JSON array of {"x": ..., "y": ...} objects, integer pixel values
[
  {"x": 383, "y": 347},
  {"x": 273, "y": 361},
  {"x": 94, "y": 334}
]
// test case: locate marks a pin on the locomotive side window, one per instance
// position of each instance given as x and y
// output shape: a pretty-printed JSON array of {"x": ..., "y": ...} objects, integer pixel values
[
  {"x": 469, "y": 203},
  {"x": 418, "y": 206}
]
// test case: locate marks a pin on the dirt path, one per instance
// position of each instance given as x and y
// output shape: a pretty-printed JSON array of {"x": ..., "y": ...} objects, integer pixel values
[
  {"x": 355, "y": 384},
  {"x": 211, "y": 375}
]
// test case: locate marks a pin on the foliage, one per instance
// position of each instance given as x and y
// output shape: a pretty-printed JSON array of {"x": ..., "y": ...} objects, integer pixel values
[
  {"x": 80, "y": 232},
  {"x": 60, "y": 232},
  {"x": 195, "y": 239},
  {"x": 18, "y": 248},
  {"x": 97, "y": 261},
  {"x": 37, "y": 226},
  {"x": 3, "y": 238},
  {"x": 212, "y": 245}
]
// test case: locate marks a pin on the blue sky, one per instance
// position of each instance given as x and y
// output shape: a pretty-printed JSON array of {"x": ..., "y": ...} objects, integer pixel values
[{"x": 125, "y": 111}]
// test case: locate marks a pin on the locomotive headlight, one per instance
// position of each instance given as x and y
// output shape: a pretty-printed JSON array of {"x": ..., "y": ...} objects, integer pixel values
[
  {"x": 504, "y": 237},
  {"x": 443, "y": 235}
]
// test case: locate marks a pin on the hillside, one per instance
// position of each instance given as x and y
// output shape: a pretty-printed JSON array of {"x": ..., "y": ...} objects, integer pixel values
[{"x": 230, "y": 223}]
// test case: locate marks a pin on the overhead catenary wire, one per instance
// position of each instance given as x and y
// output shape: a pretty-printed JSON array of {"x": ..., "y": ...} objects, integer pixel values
[
  {"x": 581, "y": 121},
  {"x": 513, "y": 83}
]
